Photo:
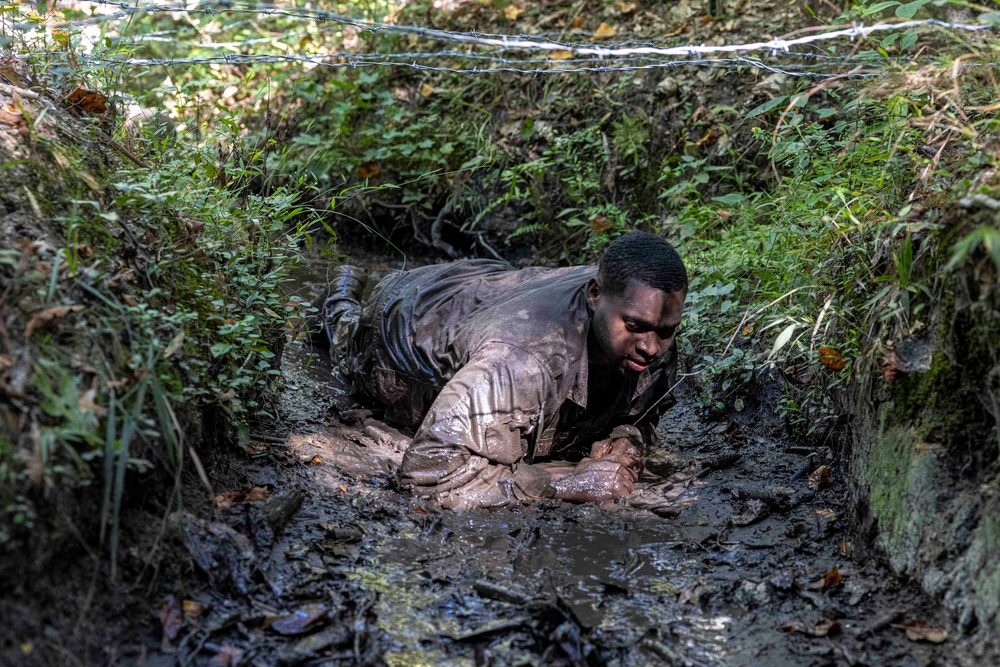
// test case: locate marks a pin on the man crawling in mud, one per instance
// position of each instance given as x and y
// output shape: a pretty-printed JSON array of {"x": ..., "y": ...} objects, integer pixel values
[{"x": 521, "y": 384}]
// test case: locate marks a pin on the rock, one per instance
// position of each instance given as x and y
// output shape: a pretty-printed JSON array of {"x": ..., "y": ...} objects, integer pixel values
[{"x": 667, "y": 87}]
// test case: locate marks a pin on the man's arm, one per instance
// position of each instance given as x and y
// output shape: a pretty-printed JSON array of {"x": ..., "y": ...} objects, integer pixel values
[{"x": 469, "y": 448}]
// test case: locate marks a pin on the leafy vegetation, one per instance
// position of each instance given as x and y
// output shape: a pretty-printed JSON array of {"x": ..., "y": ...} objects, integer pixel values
[{"x": 810, "y": 210}]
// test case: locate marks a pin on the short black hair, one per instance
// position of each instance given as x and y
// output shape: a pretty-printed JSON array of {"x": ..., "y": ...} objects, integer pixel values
[{"x": 643, "y": 257}]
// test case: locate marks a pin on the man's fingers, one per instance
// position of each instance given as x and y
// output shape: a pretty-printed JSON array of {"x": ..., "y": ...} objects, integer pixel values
[{"x": 600, "y": 449}]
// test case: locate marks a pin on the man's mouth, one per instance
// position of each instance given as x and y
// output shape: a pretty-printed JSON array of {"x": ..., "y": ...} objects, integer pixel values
[{"x": 634, "y": 365}]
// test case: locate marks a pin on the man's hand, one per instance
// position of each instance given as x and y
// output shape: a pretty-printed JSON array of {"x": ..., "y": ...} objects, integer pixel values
[
  {"x": 618, "y": 449},
  {"x": 610, "y": 472}
]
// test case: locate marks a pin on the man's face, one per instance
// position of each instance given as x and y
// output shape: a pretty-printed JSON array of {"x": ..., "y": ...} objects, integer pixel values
[{"x": 630, "y": 329}]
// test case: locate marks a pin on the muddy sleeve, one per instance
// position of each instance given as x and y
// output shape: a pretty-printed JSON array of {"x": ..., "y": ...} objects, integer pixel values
[{"x": 469, "y": 448}]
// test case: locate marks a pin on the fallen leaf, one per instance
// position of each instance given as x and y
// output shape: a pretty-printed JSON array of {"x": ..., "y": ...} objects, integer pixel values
[
  {"x": 254, "y": 494},
  {"x": 577, "y": 22},
  {"x": 827, "y": 514},
  {"x": 299, "y": 621},
  {"x": 427, "y": 90},
  {"x": 845, "y": 547},
  {"x": 604, "y": 31},
  {"x": 369, "y": 169},
  {"x": 171, "y": 619},
  {"x": 890, "y": 370},
  {"x": 7, "y": 72},
  {"x": 821, "y": 629},
  {"x": 512, "y": 12},
  {"x": 724, "y": 214},
  {"x": 600, "y": 224},
  {"x": 87, "y": 402},
  {"x": 87, "y": 101},
  {"x": 919, "y": 631},
  {"x": 193, "y": 608},
  {"x": 831, "y": 579},
  {"x": 707, "y": 138},
  {"x": 819, "y": 478},
  {"x": 49, "y": 316},
  {"x": 626, "y": 7},
  {"x": 560, "y": 54},
  {"x": 307, "y": 458},
  {"x": 228, "y": 656},
  {"x": 174, "y": 345},
  {"x": 831, "y": 358}
]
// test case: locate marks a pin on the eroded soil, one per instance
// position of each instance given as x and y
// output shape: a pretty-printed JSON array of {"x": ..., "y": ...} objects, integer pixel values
[{"x": 724, "y": 556}]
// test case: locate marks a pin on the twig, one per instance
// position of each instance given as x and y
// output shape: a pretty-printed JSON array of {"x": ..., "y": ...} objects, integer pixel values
[
  {"x": 819, "y": 321},
  {"x": 23, "y": 92}
]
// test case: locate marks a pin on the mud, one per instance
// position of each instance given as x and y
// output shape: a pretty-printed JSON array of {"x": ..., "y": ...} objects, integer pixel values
[{"x": 723, "y": 556}]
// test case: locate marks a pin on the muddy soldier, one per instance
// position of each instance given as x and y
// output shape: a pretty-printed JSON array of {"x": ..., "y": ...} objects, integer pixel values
[{"x": 521, "y": 384}]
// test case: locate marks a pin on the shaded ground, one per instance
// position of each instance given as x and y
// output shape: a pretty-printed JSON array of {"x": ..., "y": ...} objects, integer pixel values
[{"x": 724, "y": 556}]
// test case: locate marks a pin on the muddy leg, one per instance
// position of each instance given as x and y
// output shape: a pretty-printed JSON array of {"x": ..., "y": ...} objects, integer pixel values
[{"x": 342, "y": 307}]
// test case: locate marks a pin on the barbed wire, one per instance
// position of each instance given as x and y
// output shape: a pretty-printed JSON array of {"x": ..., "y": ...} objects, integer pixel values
[
  {"x": 525, "y": 42},
  {"x": 553, "y": 57},
  {"x": 354, "y": 62}
]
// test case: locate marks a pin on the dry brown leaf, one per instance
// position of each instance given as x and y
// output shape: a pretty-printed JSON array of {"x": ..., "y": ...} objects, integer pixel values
[
  {"x": 890, "y": 370},
  {"x": 313, "y": 459},
  {"x": 49, "y": 316},
  {"x": 831, "y": 579},
  {"x": 827, "y": 514},
  {"x": 560, "y": 54},
  {"x": 845, "y": 547},
  {"x": 193, "y": 608},
  {"x": 254, "y": 494},
  {"x": 427, "y": 90},
  {"x": 604, "y": 31},
  {"x": 7, "y": 72},
  {"x": 512, "y": 12},
  {"x": 369, "y": 169},
  {"x": 600, "y": 224},
  {"x": 831, "y": 358},
  {"x": 87, "y": 403},
  {"x": 174, "y": 345},
  {"x": 821, "y": 629},
  {"x": 626, "y": 7},
  {"x": 577, "y": 22},
  {"x": 707, "y": 138},
  {"x": 87, "y": 101},
  {"x": 228, "y": 656},
  {"x": 819, "y": 478},
  {"x": 919, "y": 631}
]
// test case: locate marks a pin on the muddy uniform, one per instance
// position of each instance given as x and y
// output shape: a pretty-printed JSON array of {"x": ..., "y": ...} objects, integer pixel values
[{"x": 491, "y": 364}]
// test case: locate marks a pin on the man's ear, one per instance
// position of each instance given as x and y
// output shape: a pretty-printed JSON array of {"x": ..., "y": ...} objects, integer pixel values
[{"x": 593, "y": 291}]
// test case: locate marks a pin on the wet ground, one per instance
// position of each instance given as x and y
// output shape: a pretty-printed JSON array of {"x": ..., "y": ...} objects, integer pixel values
[{"x": 731, "y": 552}]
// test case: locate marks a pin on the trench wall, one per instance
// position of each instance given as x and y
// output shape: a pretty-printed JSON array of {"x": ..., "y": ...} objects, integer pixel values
[{"x": 924, "y": 457}]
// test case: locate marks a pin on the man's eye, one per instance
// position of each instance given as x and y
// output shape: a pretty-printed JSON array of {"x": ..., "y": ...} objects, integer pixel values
[{"x": 631, "y": 326}]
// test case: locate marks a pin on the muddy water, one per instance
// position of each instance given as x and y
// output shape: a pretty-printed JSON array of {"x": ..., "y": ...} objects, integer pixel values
[
  {"x": 719, "y": 558},
  {"x": 610, "y": 574},
  {"x": 724, "y": 555}
]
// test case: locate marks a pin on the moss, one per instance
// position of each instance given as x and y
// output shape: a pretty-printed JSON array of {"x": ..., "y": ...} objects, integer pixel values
[
  {"x": 986, "y": 590},
  {"x": 904, "y": 486}
]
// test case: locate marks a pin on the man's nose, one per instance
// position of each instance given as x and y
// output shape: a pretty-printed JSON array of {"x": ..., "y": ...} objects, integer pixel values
[{"x": 648, "y": 345}]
